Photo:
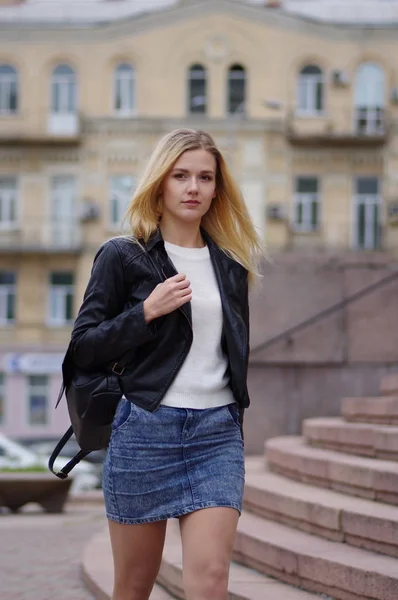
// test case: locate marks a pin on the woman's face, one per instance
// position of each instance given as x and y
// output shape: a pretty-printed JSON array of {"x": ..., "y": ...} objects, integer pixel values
[{"x": 189, "y": 187}]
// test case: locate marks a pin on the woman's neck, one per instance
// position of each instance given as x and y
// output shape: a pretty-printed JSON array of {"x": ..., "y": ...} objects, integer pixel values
[{"x": 188, "y": 237}]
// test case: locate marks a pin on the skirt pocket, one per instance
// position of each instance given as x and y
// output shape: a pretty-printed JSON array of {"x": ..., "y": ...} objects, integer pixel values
[
  {"x": 125, "y": 413},
  {"x": 233, "y": 413}
]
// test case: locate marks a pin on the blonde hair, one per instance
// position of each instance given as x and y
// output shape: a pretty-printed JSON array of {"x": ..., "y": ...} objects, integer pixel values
[{"x": 227, "y": 221}]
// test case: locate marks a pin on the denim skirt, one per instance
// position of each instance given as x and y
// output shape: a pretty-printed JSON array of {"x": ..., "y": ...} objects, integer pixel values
[{"x": 172, "y": 461}]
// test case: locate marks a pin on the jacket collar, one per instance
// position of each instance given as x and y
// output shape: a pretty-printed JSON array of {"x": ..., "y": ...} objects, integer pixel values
[{"x": 155, "y": 239}]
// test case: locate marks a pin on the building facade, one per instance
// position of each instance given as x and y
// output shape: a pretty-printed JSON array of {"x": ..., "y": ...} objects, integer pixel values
[{"x": 305, "y": 110}]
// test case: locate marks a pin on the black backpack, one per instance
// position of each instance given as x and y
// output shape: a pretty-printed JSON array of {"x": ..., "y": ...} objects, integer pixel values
[{"x": 92, "y": 398}]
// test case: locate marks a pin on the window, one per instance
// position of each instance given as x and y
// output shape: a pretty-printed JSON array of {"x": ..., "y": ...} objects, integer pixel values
[
  {"x": 38, "y": 399},
  {"x": 310, "y": 97},
  {"x": 124, "y": 99},
  {"x": 197, "y": 90},
  {"x": 63, "y": 90},
  {"x": 369, "y": 98},
  {"x": 236, "y": 90},
  {"x": 7, "y": 297},
  {"x": 61, "y": 299},
  {"x": 121, "y": 191},
  {"x": 8, "y": 90},
  {"x": 63, "y": 199},
  {"x": 8, "y": 202},
  {"x": 306, "y": 204},
  {"x": 367, "y": 204},
  {"x": 65, "y": 229},
  {"x": 2, "y": 398}
]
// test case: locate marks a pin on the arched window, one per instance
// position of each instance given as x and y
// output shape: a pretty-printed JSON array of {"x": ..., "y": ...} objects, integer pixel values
[
  {"x": 124, "y": 89},
  {"x": 236, "y": 90},
  {"x": 369, "y": 99},
  {"x": 197, "y": 90},
  {"x": 63, "y": 90},
  {"x": 310, "y": 93},
  {"x": 8, "y": 89}
]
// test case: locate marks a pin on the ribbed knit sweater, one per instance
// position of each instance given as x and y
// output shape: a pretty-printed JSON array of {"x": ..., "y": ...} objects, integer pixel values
[{"x": 202, "y": 381}]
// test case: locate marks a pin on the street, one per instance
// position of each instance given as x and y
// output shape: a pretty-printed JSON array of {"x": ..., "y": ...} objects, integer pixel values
[{"x": 40, "y": 553}]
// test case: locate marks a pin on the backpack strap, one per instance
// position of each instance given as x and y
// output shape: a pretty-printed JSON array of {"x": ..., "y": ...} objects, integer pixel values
[{"x": 64, "y": 472}]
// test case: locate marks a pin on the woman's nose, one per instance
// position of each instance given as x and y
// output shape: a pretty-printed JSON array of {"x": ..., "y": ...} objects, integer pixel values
[{"x": 193, "y": 183}]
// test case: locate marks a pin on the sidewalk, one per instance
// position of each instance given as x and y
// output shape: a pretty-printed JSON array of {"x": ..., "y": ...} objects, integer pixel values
[{"x": 40, "y": 554}]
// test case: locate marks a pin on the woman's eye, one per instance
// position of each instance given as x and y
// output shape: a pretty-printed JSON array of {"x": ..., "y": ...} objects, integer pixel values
[{"x": 202, "y": 177}]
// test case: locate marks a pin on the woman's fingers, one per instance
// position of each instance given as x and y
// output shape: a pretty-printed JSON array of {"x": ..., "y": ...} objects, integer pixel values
[
  {"x": 167, "y": 296},
  {"x": 180, "y": 281}
]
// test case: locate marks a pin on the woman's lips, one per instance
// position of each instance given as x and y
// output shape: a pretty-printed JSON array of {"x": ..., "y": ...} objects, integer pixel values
[{"x": 192, "y": 202}]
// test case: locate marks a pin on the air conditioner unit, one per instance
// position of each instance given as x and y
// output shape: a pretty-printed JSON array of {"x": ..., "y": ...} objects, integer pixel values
[
  {"x": 89, "y": 212},
  {"x": 394, "y": 95},
  {"x": 276, "y": 212},
  {"x": 340, "y": 78}
]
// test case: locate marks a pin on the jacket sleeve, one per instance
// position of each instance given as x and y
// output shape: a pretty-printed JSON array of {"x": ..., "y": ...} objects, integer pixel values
[{"x": 103, "y": 331}]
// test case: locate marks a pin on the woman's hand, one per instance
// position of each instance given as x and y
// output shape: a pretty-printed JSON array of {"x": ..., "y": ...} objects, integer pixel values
[{"x": 167, "y": 296}]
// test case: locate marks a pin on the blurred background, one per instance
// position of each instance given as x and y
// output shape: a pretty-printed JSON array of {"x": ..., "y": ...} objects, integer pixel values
[{"x": 301, "y": 96}]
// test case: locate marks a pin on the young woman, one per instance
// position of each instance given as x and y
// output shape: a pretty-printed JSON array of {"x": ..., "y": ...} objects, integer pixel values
[{"x": 176, "y": 293}]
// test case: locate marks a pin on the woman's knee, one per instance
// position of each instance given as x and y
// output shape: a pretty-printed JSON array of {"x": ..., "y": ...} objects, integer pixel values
[{"x": 207, "y": 581}]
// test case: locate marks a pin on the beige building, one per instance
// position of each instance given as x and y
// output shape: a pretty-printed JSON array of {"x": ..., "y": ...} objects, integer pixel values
[{"x": 305, "y": 109}]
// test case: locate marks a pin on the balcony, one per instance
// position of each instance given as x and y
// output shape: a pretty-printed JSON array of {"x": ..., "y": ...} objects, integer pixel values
[
  {"x": 359, "y": 127},
  {"x": 63, "y": 126},
  {"x": 38, "y": 237},
  {"x": 44, "y": 129}
]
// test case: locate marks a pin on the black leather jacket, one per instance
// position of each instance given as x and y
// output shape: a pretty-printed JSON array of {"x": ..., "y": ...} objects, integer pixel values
[{"x": 111, "y": 320}]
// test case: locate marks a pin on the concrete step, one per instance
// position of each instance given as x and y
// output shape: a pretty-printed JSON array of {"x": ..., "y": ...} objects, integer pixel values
[
  {"x": 317, "y": 565},
  {"x": 389, "y": 385},
  {"x": 355, "y": 475},
  {"x": 380, "y": 410},
  {"x": 365, "y": 439},
  {"x": 97, "y": 569},
  {"x": 356, "y": 521},
  {"x": 244, "y": 583}
]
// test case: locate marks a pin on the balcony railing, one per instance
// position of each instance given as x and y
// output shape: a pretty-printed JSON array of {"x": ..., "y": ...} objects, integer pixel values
[
  {"x": 64, "y": 125},
  {"x": 359, "y": 126},
  {"x": 41, "y": 129},
  {"x": 37, "y": 236}
]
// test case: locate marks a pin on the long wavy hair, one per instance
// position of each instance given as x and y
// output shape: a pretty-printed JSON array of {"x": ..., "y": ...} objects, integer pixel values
[{"x": 227, "y": 221}]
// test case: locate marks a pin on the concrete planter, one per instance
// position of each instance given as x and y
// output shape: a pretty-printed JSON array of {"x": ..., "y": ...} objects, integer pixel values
[{"x": 20, "y": 488}]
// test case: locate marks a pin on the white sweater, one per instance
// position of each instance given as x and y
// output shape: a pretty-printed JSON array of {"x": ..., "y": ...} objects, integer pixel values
[{"x": 202, "y": 381}]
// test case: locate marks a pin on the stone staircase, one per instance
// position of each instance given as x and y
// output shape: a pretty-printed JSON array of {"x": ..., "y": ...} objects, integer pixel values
[
  {"x": 322, "y": 509},
  {"x": 320, "y": 515}
]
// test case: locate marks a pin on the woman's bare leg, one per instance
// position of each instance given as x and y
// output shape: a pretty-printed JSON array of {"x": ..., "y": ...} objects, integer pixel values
[
  {"x": 207, "y": 540},
  {"x": 137, "y": 554}
]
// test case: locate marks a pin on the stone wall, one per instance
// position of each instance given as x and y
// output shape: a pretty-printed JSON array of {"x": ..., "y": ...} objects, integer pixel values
[{"x": 344, "y": 354}]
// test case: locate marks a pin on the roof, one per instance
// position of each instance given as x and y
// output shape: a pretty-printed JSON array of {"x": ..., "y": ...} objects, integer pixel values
[
  {"x": 366, "y": 12},
  {"x": 85, "y": 12},
  {"x": 79, "y": 11}
]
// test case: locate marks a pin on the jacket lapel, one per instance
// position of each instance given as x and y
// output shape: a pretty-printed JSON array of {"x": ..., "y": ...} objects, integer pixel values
[{"x": 168, "y": 270}]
